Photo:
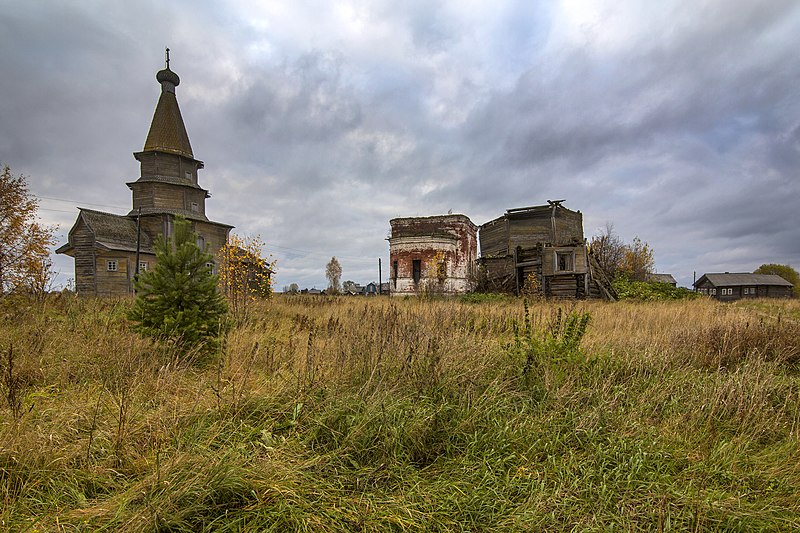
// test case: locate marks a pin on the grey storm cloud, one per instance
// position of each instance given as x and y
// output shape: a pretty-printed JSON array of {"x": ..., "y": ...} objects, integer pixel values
[{"x": 319, "y": 122}]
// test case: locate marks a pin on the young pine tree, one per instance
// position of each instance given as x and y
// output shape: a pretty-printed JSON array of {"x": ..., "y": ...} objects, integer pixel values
[{"x": 178, "y": 300}]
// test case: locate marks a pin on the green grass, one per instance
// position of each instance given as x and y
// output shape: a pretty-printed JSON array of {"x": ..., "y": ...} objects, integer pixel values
[{"x": 345, "y": 414}]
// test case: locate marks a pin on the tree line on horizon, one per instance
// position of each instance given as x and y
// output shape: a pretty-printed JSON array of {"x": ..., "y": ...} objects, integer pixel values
[{"x": 26, "y": 267}]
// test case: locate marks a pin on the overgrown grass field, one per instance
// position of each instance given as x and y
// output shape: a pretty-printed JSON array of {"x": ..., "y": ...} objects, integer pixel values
[{"x": 354, "y": 414}]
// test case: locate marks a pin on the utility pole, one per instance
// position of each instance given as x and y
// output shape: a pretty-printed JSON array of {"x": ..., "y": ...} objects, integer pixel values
[
  {"x": 380, "y": 283},
  {"x": 138, "y": 242}
]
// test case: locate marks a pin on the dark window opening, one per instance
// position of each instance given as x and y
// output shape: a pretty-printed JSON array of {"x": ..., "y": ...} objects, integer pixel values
[
  {"x": 394, "y": 271},
  {"x": 416, "y": 269},
  {"x": 563, "y": 261}
]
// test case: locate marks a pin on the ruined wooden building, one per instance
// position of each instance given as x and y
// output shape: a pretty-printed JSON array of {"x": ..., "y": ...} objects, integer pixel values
[
  {"x": 432, "y": 254},
  {"x": 542, "y": 243},
  {"x": 106, "y": 246}
]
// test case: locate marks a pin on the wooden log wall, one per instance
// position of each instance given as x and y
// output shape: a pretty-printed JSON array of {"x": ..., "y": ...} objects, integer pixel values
[
  {"x": 215, "y": 236},
  {"x": 494, "y": 238},
  {"x": 164, "y": 164},
  {"x": 498, "y": 274},
  {"x": 533, "y": 229},
  {"x": 563, "y": 286},
  {"x": 143, "y": 195},
  {"x": 114, "y": 283},
  {"x": 83, "y": 241}
]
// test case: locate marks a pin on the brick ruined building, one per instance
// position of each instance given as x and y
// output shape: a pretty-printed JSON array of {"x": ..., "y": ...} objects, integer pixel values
[
  {"x": 417, "y": 243},
  {"x": 104, "y": 245}
]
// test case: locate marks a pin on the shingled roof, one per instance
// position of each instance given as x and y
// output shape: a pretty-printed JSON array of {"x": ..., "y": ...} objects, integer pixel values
[
  {"x": 731, "y": 280},
  {"x": 167, "y": 130},
  {"x": 185, "y": 213},
  {"x": 662, "y": 278},
  {"x": 173, "y": 180},
  {"x": 115, "y": 232}
]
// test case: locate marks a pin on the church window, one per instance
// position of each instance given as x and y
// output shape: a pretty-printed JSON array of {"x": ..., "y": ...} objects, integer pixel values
[{"x": 416, "y": 270}]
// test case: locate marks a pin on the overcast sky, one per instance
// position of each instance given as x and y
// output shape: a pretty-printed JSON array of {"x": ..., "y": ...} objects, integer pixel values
[{"x": 319, "y": 121}]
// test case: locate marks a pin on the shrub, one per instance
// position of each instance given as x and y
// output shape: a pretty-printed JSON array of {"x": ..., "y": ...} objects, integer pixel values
[
  {"x": 178, "y": 300},
  {"x": 648, "y": 291},
  {"x": 557, "y": 343},
  {"x": 485, "y": 297},
  {"x": 532, "y": 287},
  {"x": 244, "y": 275}
]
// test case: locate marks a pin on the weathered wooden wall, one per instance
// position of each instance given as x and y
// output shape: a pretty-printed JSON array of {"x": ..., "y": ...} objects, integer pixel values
[
  {"x": 526, "y": 242},
  {"x": 83, "y": 241},
  {"x": 530, "y": 226},
  {"x": 215, "y": 235},
  {"x": 156, "y": 195},
  {"x": 114, "y": 283},
  {"x": 166, "y": 164},
  {"x": 498, "y": 274},
  {"x": 494, "y": 238},
  {"x": 777, "y": 292},
  {"x": 530, "y": 229}
]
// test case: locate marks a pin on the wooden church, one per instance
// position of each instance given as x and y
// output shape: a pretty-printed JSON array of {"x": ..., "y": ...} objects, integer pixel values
[{"x": 110, "y": 249}]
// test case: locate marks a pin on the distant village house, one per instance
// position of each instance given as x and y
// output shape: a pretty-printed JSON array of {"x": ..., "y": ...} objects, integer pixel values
[
  {"x": 662, "y": 278},
  {"x": 728, "y": 287}
]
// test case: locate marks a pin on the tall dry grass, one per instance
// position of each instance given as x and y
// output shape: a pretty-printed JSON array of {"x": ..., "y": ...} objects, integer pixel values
[{"x": 330, "y": 414}]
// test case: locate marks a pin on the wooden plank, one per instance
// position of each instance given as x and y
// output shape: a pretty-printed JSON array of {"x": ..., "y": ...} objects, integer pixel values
[
  {"x": 564, "y": 286},
  {"x": 493, "y": 238},
  {"x": 600, "y": 280},
  {"x": 580, "y": 260},
  {"x": 548, "y": 262}
]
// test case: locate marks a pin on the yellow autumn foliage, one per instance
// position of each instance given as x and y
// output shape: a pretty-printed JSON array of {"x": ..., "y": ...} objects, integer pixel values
[{"x": 244, "y": 275}]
